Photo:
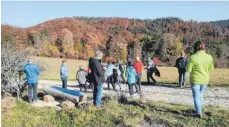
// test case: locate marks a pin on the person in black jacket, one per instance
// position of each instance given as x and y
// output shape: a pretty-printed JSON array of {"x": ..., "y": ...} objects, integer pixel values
[
  {"x": 97, "y": 77},
  {"x": 181, "y": 64}
]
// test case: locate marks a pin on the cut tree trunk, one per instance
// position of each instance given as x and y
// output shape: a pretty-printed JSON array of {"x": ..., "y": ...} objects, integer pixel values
[{"x": 71, "y": 95}]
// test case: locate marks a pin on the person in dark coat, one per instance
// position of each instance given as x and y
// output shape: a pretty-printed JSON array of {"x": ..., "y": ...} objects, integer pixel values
[
  {"x": 150, "y": 71},
  {"x": 89, "y": 79},
  {"x": 97, "y": 73},
  {"x": 181, "y": 64}
]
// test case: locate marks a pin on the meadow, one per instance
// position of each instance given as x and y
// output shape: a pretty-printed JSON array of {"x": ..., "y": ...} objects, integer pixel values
[{"x": 219, "y": 77}]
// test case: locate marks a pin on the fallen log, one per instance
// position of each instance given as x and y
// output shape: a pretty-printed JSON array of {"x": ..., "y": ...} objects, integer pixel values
[{"x": 71, "y": 95}]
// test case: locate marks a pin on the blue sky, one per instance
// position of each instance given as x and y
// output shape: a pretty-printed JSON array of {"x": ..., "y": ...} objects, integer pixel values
[{"x": 25, "y": 14}]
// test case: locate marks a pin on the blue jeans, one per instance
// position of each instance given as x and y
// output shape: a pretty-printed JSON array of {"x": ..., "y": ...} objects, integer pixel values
[
  {"x": 97, "y": 95},
  {"x": 182, "y": 78},
  {"x": 197, "y": 92},
  {"x": 32, "y": 92},
  {"x": 139, "y": 82},
  {"x": 64, "y": 82}
]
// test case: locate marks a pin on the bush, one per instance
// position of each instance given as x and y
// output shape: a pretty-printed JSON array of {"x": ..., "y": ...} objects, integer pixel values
[
  {"x": 12, "y": 62},
  {"x": 12, "y": 66}
]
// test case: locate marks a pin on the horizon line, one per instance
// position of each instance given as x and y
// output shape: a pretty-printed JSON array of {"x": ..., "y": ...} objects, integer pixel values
[{"x": 114, "y": 17}]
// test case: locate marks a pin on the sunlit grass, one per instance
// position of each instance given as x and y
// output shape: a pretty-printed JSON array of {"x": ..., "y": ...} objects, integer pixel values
[
  {"x": 114, "y": 113},
  {"x": 219, "y": 77}
]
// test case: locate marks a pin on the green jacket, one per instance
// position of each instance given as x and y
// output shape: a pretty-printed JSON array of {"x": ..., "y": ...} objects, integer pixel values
[{"x": 200, "y": 64}]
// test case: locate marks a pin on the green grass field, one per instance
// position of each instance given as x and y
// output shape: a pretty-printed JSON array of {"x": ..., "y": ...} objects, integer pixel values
[{"x": 219, "y": 77}]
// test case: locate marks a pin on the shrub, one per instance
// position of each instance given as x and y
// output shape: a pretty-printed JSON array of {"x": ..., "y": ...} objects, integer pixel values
[
  {"x": 12, "y": 66},
  {"x": 12, "y": 62}
]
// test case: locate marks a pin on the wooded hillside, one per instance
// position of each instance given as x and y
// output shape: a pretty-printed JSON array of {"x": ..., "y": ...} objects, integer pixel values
[{"x": 120, "y": 38}]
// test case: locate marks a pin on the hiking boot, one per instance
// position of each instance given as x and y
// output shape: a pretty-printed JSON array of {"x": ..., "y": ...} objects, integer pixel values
[
  {"x": 199, "y": 116},
  {"x": 34, "y": 101},
  {"x": 183, "y": 84}
]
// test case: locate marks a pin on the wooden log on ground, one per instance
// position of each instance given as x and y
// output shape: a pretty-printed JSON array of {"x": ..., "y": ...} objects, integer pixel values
[{"x": 71, "y": 95}]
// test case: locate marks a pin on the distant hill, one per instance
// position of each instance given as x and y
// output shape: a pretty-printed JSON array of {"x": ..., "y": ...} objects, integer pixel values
[
  {"x": 222, "y": 23},
  {"x": 119, "y": 38}
]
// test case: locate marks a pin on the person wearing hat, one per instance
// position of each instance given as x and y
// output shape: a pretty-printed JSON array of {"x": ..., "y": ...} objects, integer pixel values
[
  {"x": 81, "y": 77},
  {"x": 150, "y": 70},
  {"x": 97, "y": 76},
  {"x": 200, "y": 64},
  {"x": 32, "y": 71}
]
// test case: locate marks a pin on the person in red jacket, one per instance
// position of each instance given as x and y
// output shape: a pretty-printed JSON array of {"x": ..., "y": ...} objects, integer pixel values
[{"x": 138, "y": 67}]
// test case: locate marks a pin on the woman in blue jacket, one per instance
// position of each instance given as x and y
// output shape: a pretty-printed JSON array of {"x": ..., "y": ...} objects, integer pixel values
[
  {"x": 64, "y": 73},
  {"x": 131, "y": 77}
]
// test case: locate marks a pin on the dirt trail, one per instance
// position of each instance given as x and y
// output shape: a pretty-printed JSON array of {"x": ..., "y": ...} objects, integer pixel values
[{"x": 217, "y": 96}]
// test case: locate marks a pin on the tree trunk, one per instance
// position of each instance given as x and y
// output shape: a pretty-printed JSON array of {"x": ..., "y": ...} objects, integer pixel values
[{"x": 71, "y": 95}]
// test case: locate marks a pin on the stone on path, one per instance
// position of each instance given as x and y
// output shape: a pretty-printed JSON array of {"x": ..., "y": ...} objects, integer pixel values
[
  {"x": 68, "y": 105},
  {"x": 41, "y": 103},
  {"x": 48, "y": 98}
]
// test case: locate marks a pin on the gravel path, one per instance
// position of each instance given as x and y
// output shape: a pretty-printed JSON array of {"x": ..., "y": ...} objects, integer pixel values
[{"x": 216, "y": 96}]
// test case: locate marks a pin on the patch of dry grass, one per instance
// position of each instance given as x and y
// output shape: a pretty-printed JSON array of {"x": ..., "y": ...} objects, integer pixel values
[{"x": 54, "y": 64}]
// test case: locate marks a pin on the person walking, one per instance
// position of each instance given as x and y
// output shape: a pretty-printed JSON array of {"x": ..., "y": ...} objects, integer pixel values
[
  {"x": 32, "y": 71},
  {"x": 64, "y": 73},
  {"x": 138, "y": 67},
  {"x": 81, "y": 77},
  {"x": 91, "y": 86},
  {"x": 200, "y": 65},
  {"x": 109, "y": 74},
  {"x": 181, "y": 64},
  {"x": 131, "y": 77},
  {"x": 97, "y": 72},
  {"x": 150, "y": 70},
  {"x": 117, "y": 76},
  {"x": 122, "y": 70}
]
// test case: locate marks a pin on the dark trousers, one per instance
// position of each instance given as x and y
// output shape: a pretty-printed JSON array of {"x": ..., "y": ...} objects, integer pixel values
[
  {"x": 131, "y": 88},
  {"x": 64, "y": 82},
  {"x": 32, "y": 92},
  {"x": 122, "y": 76},
  {"x": 139, "y": 82},
  {"x": 110, "y": 80},
  {"x": 83, "y": 86},
  {"x": 150, "y": 76},
  {"x": 91, "y": 86},
  {"x": 182, "y": 77}
]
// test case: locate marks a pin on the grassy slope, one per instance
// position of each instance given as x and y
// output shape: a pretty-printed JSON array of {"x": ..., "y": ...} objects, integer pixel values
[
  {"x": 114, "y": 114},
  {"x": 219, "y": 77}
]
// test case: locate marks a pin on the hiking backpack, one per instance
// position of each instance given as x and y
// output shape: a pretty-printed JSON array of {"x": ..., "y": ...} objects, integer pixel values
[
  {"x": 183, "y": 63},
  {"x": 115, "y": 75}
]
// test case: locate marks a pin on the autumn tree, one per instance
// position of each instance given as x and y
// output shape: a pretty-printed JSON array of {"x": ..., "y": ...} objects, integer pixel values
[{"x": 170, "y": 47}]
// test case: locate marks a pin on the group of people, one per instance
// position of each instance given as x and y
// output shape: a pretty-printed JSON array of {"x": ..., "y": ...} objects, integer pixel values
[{"x": 199, "y": 65}]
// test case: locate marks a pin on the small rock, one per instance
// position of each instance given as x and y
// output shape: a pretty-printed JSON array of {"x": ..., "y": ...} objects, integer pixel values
[
  {"x": 83, "y": 99},
  {"x": 48, "y": 98},
  {"x": 68, "y": 105}
]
